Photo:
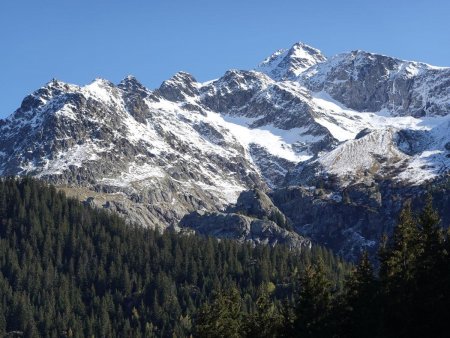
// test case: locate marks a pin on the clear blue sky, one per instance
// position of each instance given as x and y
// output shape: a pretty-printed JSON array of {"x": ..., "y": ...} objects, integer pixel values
[{"x": 77, "y": 41}]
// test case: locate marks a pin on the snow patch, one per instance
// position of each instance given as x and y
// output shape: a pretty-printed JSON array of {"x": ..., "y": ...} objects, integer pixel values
[
  {"x": 136, "y": 173},
  {"x": 276, "y": 141}
]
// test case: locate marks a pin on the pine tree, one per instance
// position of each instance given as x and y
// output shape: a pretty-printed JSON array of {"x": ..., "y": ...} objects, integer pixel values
[
  {"x": 314, "y": 303},
  {"x": 361, "y": 301},
  {"x": 431, "y": 239},
  {"x": 222, "y": 318},
  {"x": 430, "y": 305},
  {"x": 266, "y": 321},
  {"x": 398, "y": 274},
  {"x": 288, "y": 316},
  {"x": 2, "y": 319}
]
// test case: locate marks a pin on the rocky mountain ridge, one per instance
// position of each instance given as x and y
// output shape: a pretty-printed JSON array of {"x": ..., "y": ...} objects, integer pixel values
[{"x": 329, "y": 127}]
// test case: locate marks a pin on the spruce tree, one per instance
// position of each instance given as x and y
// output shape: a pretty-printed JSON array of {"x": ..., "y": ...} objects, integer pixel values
[
  {"x": 314, "y": 303},
  {"x": 398, "y": 274},
  {"x": 430, "y": 306},
  {"x": 221, "y": 318},
  {"x": 266, "y": 321},
  {"x": 361, "y": 301},
  {"x": 431, "y": 239}
]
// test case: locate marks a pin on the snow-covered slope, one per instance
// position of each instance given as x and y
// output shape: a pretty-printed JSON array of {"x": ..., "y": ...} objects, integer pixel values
[{"x": 377, "y": 145}]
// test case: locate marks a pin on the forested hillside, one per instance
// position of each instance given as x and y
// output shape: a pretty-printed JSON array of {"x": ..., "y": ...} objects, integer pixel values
[
  {"x": 408, "y": 297},
  {"x": 69, "y": 270}
]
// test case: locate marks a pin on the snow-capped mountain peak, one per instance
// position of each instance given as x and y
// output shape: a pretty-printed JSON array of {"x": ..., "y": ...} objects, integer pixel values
[
  {"x": 286, "y": 64},
  {"x": 179, "y": 87},
  {"x": 130, "y": 83}
]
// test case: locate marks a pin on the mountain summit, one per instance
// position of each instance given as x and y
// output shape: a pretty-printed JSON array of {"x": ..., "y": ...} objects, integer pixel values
[{"x": 286, "y": 64}]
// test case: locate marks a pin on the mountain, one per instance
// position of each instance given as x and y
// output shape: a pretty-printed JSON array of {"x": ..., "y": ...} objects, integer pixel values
[{"x": 345, "y": 139}]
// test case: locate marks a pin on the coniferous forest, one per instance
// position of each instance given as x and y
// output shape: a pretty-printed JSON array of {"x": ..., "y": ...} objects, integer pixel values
[{"x": 67, "y": 270}]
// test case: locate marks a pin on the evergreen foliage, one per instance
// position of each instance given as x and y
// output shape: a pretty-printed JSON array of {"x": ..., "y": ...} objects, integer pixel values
[
  {"x": 69, "y": 270},
  {"x": 359, "y": 306},
  {"x": 314, "y": 303},
  {"x": 223, "y": 318}
]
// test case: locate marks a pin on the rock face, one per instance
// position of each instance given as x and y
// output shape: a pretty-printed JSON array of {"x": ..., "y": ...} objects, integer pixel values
[
  {"x": 255, "y": 203},
  {"x": 254, "y": 218},
  {"x": 369, "y": 82},
  {"x": 327, "y": 217},
  {"x": 336, "y": 143},
  {"x": 243, "y": 229},
  {"x": 355, "y": 218}
]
